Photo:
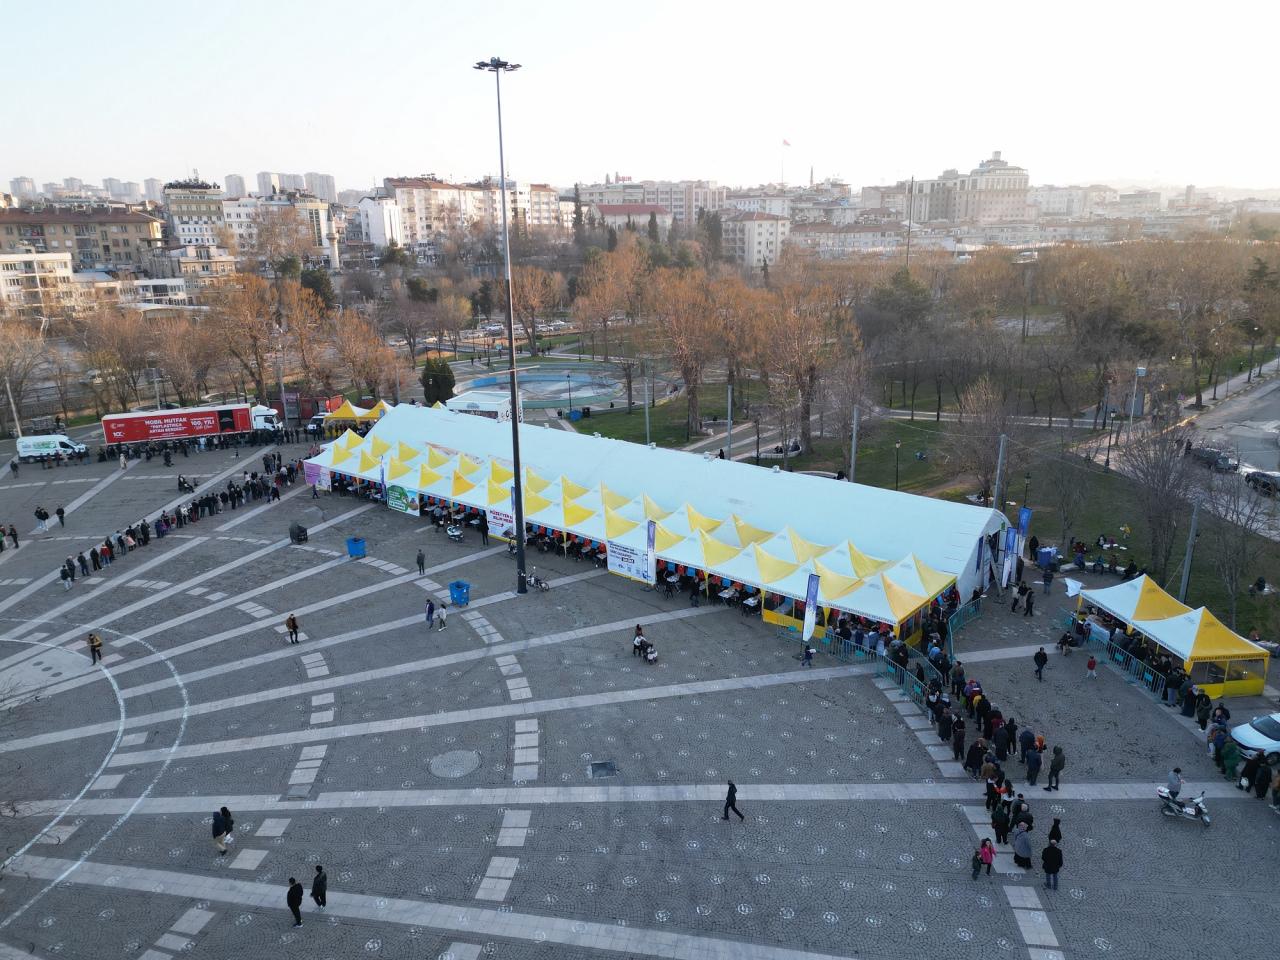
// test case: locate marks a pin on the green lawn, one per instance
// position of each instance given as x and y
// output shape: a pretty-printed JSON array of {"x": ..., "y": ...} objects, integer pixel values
[{"x": 667, "y": 420}]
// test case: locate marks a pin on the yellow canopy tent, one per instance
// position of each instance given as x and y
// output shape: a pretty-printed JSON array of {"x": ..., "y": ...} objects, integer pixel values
[
  {"x": 1212, "y": 653},
  {"x": 571, "y": 489},
  {"x": 747, "y": 533},
  {"x": 1138, "y": 599},
  {"x": 377, "y": 411},
  {"x": 348, "y": 411},
  {"x": 652, "y": 511},
  {"x": 468, "y": 467},
  {"x": 461, "y": 485},
  {"x": 701, "y": 522},
  {"x": 427, "y": 478},
  {"x": 349, "y": 439}
]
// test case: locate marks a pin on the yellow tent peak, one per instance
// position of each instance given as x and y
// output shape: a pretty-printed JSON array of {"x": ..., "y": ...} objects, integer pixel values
[
  {"x": 716, "y": 552},
  {"x": 406, "y": 452},
  {"x": 437, "y": 458},
  {"x": 427, "y": 477},
  {"x": 467, "y": 467},
  {"x": 438, "y": 406},
  {"x": 700, "y": 521},
  {"x": 772, "y": 569},
  {"x": 1154, "y": 603},
  {"x": 348, "y": 411},
  {"x": 747, "y": 533},
  {"x": 367, "y": 462},
  {"x": 534, "y": 481},
  {"x": 572, "y": 489},
  {"x": 804, "y": 549},
  {"x": 863, "y": 564},
  {"x": 500, "y": 473},
  {"x": 654, "y": 512},
  {"x": 349, "y": 439},
  {"x": 902, "y": 602},
  {"x": 832, "y": 585},
  {"x": 378, "y": 446},
  {"x": 664, "y": 539},
  {"x": 498, "y": 492},
  {"x": 460, "y": 484},
  {"x": 615, "y": 525},
  {"x": 533, "y": 502},
  {"x": 341, "y": 455},
  {"x": 397, "y": 468},
  {"x": 611, "y": 499},
  {"x": 575, "y": 514}
]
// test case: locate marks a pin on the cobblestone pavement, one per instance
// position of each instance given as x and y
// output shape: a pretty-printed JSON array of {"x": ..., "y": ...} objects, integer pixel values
[{"x": 445, "y": 777}]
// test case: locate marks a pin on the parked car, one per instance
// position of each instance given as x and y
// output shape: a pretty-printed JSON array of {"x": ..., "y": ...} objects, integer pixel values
[
  {"x": 1216, "y": 459},
  {"x": 1265, "y": 483},
  {"x": 1260, "y": 735}
]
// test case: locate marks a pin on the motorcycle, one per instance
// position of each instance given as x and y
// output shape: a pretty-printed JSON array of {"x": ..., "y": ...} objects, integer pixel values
[
  {"x": 454, "y": 532},
  {"x": 533, "y": 580},
  {"x": 1192, "y": 809}
]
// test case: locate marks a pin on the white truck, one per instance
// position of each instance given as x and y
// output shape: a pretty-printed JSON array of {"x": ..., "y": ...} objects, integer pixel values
[{"x": 48, "y": 445}]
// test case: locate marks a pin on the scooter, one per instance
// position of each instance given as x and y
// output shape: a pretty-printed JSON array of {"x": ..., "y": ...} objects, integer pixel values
[
  {"x": 533, "y": 580},
  {"x": 454, "y": 532},
  {"x": 1193, "y": 809}
]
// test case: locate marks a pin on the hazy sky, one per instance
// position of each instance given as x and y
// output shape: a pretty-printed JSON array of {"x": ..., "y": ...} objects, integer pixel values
[{"x": 1075, "y": 92}]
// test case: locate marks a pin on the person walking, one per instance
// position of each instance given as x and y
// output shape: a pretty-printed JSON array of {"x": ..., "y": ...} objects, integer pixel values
[
  {"x": 70, "y": 564},
  {"x": 41, "y": 517},
  {"x": 1048, "y": 581},
  {"x": 1051, "y": 861},
  {"x": 1041, "y": 659},
  {"x": 62, "y": 516},
  {"x": 320, "y": 887},
  {"x": 985, "y": 855},
  {"x": 66, "y": 579},
  {"x": 957, "y": 735},
  {"x": 431, "y": 613},
  {"x": 731, "y": 802},
  {"x": 1022, "y": 846},
  {"x": 13, "y": 535},
  {"x": 422, "y": 563},
  {"x": 1030, "y": 604},
  {"x": 1055, "y": 832},
  {"x": 291, "y": 627},
  {"x": 483, "y": 527},
  {"x": 1018, "y": 595},
  {"x": 222, "y": 824},
  {"x": 1091, "y": 668},
  {"x": 442, "y": 615},
  {"x": 84, "y": 564},
  {"x": 294, "y": 899},
  {"x": 1000, "y": 823},
  {"x": 95, "y": 648},
  {"x": 1056, "y": 765},
  {"x": 807, "y": 660},
  {"x": 1034, "y": 759}
]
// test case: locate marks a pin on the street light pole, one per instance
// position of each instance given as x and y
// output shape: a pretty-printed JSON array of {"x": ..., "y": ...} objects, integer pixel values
[
  {"x": 897, "y": 445},
  {"x": 1026, "y": 487},
  {"x": 568, "y": 378},
  {"x": 497, "y": 67}
]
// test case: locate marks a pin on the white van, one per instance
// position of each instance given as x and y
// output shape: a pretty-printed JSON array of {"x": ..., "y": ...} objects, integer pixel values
[{"x": 47, "y": 445}]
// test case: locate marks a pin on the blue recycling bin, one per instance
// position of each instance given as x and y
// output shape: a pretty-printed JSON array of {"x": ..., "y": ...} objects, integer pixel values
[
  {"x": 355, "y": 548},
  {"x": 459, "y": 593},
  {"x": 1046, "y": 557}
]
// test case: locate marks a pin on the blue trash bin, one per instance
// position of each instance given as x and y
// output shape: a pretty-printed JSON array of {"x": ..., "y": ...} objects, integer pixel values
[
  {"x": 459, "y": 593},
  {"x": 355, "y": 547}
]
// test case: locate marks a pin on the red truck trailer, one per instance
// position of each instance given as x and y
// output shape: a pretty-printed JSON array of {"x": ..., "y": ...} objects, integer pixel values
[{"x": 185, "y": 423}]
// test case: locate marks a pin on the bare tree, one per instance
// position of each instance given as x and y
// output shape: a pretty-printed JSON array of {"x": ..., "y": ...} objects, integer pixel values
[
  {"x": 1235, "y": 536},
  {"x": 975, "y": 443},
  {"x": 1061, "y": 476},
  {"x": 1163, "y": 480}
]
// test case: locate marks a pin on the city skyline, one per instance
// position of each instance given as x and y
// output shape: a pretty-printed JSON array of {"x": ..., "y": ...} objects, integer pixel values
[{"x": 872, "y": 116}]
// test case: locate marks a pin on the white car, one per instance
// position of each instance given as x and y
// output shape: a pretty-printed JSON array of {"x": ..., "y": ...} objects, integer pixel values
[{"x": 1261, "y": 734}]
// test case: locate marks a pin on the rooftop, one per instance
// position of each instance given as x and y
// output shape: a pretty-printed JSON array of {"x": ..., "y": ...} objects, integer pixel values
[
  {"x": 631, "y": 209},
  {"x": 17, "y": 215}
]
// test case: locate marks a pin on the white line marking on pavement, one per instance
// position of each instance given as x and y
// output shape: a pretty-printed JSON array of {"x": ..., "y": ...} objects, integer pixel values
[{"x": 508, "y": 925}]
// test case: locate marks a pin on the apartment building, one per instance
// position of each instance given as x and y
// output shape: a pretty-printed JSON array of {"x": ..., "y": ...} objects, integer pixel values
[
  {"x": 321, "y": 185},
  {"x": 36, "y": 283},
  {"x": 682, "y": 198},
  {"x": 101, "y": 237},
  {"x": 23, "y": 188},
  {"x": 620, "y": 216},
  {"x": 243, "y": 215},
  {"x": 194, "y": 211},
  {"x": 762, "y": 203},
  {"x": 754, "y": 239},
  {"x": 429, "y": 207},
  {"x": 234, "y": 185},
  {"x": 379, "y": 222}
]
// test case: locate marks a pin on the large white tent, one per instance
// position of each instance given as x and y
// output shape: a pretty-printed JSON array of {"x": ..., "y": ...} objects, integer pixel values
[{"x": 710, "y": 511}]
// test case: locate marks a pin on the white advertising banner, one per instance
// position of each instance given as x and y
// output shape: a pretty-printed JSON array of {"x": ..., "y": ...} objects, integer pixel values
[
  {"x": 627, "y": 561},
  {"x": 501, "y": 524},
  {"x": 810, "y": 606}
]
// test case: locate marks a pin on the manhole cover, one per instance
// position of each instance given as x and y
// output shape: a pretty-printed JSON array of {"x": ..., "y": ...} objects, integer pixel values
[
  {"x": 603, "y": 768},
  {"x": 454, "y": 764}
]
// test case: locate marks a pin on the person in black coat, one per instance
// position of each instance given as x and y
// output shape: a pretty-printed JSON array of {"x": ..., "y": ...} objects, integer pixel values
[
  {"x": 1051, "y": 860},
  {"x": 294, "y": 899},
  {"x": 320, "y": 887},
  {"x": 731, "y": 802}
]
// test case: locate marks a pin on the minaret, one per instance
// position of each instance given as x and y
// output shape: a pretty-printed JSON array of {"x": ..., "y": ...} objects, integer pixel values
[{"x": 335, "y": 262}]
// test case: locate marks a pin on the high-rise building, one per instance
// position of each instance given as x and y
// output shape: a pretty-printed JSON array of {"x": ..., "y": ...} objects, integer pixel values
[
  {"x": 72, "y": 183},
  {"x": 233, "y": 185},
  {"x": 194, "y": 211},
  {"x": 683, "y": 198},
  {"x": 321, "y": 185},
  {"x": 993, "y": 190},
  {"x": 379, "y": 220},
  {"x": 293, "y": 181},
  {"x": 24, "y": 188},
  {"x": 268, "y": 183},
  {"x": 113, "y": 187},
  {"x": 131, "y": 191},
  {"x": 153, "y": 189}
]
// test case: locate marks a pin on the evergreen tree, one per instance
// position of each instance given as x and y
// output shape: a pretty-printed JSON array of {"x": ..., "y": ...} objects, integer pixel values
[
  {"x": 395, "y": 255},
  {"x": 653, "y": 226},
  {"x": 319, "y": 283},
  {"x": 437, "y": 381},
  {"x": 612, "y": 243},
  {"x": 579, "y": 229},
  {"x": 673, "y": 236},
  {"x": 484, "y": 297}
]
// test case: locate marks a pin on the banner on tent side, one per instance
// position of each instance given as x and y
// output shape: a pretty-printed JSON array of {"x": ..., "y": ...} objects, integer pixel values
[
  {"x": 311, "y": 472},
  {"x": 627, "y": 561},
  {"x": 405, "y": 501},
  {"x": 501, "y": 523},
  {"x": 651, "y": 552}
]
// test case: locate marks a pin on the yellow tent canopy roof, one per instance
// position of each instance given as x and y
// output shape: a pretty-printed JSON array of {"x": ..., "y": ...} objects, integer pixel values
[
  {"x": 498, "y": 492},
  {"x": 427, "y": 477},
  {"x": 805, "y": 550},
  {"x": 461, "y": 484},
  {"x": 902, "y": 602},
  {"x": 348, "y": 411},
  {"x": 397, "y": 469},
  {"x": 610, "y": 499},
  {"x": 832, "y": 585},
  {"x": 1154, "y": 603},
  {"x": 862, "y": 564},
  {"x": 772, "y": 569},
  {"x": 367, "y": 461},
  {"x": 1198, "y": 635},
  {"x": 405, "y": 452},
  {"x": 438, "y": 406},
  {"x": 377, "y": 411},
  {"x": 716, "y": 552},
  {"x": 378, "y": 446},
  {"x": 535, "y": 482},
  {"x": 533, "y": 502},
  {"x": 615, "y": 525},
  {"x": 437, "y": 458},
  {"x": 700, "y": 521},
  {"x": 747, "y": 533},
  {"x": 575, "y": 513},
  {"x": 500, "y": 473},
  {"x": 349, "y": 439},
  {"x": 467, "y": 467},
  {"x": 571, "y": 489},
  {"x": 341, "y": 455},
  {"x": 654, "y": 512},
  {"x": 664, "y": 539}
]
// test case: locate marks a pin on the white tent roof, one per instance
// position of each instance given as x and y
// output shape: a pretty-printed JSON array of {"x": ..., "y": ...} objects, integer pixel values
[{"x": 883, "y": 523}]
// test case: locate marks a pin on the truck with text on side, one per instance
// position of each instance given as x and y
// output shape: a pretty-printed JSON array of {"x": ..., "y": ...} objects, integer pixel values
[{"x": 187, "y": 423}]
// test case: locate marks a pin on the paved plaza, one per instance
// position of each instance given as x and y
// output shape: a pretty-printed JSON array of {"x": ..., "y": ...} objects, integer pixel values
[{"x": 518, "y": 785}]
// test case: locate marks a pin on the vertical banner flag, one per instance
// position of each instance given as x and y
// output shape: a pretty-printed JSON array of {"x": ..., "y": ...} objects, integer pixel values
[
  {"x": 1024, "y": 521},
  {"x": 810, "y": 606},
  {"x": 651, "y": 553},
  {"x": 382, "y": 475},
  {"x": 1010, "y": 541}
]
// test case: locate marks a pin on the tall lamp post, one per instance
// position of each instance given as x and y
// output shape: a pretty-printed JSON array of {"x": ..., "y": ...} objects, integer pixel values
[
  {"x": 1026, "y": 487},
  {"x": 498, "y": 67},
  {"x": 568, "y": 379},
  {"x": 897, "y": 445}
]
